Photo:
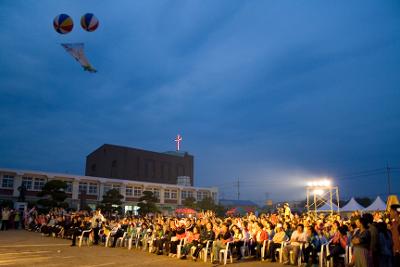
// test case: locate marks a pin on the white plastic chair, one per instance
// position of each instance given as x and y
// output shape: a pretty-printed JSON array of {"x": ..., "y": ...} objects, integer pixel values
[
  {"x": 224, "y": 253},
  {"x": 108, "y": 239},
  {"x": 245, "y": 250},
  {"x": 205, "y": 251},
  {"x": 346, "y": 256},
  {"x": 298, "y": 260},
  {"x": 120, "y": 240},
  {"x": 182, "y": 242},
  {"x": 264, "y": 249},
  {"x": 82, "y": 236},
  {"x": 131, "y": 239}
]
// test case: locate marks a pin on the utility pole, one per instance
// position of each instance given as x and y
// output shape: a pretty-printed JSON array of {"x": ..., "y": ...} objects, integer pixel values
[
  {"x": 238, "y": 189},
  {"x": 388, "y": 177}
]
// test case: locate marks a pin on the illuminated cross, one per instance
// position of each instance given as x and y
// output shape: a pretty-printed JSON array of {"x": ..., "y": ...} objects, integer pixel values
[{"x": 178, "y": 142}]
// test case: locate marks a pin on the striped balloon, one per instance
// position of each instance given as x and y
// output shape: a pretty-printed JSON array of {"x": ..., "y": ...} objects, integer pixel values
[
  {"x": 63, "y": 23},
  {"x": 89, "y": 22}
]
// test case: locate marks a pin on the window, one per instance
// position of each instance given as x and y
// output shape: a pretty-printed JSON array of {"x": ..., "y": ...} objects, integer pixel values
[
  {"x": 7, "y": 181},
  {"x": 38, "y": 184},
  {"x": 116, "y": 187},
  {"x": 170, "y": 194},
  {"x": 83, "y": 186},
  {"x": 167, "y": 194},
  {"x": 156, "y": 193},
  {"x": 184, "y": 194},
  {"x": 107, "y": 187},
  {"x": 202, "y": 195},
  {"x": 114, "y": 164},
  {"x": 190, "y": 194},
  {"x": 27, "y": 182},
  {"x": 92, "y": 188},
  {"x": 129, "y": 191},
  {"x": 137, "y": 191},
  {"x": 69, "y": 187},
  {"x": 174, "y": 194},
  {"x": 93, "y": 167}
]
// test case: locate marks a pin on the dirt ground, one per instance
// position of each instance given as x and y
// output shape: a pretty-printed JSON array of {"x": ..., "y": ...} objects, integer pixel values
[{"x": 22, "y": 248}]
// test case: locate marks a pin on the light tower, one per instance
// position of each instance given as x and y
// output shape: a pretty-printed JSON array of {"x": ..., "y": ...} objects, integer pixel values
[{"x": 322, "y": 196}]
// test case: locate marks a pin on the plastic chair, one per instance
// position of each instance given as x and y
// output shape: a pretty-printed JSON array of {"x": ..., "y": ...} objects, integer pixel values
[
  {"x": 291, "y": 259},
  {"x": 245, "y": 250},
  {"x": 120, "y": 240},
  {"x": 264, "y": 249},
  {"x": 225, "y": 252},
  {"x": 82, "y": 236},
  {"x": 182, "y": 242},
  {"x": 205, "y": 251},
  {"x": 108, "y": 239}
]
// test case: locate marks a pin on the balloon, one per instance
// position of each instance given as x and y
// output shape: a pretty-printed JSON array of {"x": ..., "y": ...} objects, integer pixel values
[
  {"x": 89, "y": 22},
  {"x": 63, "y": 23}
]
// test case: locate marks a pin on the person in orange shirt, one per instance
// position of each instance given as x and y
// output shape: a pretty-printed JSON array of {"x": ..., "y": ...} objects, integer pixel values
[{"x": 259, "y": 237}]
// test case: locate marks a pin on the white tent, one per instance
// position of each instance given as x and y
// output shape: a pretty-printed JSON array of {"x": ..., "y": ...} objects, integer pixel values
[
  {"x": 352, "y": 205},
  {"x": 327, "y": 207},
  {"x": 378, "y": 204}
]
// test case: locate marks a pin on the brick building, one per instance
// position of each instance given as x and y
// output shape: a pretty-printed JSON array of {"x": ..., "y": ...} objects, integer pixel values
[{"x": 119, "y": 162}]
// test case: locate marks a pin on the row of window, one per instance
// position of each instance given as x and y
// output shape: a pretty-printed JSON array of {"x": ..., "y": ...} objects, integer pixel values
[
  {"x": 31, "y": 183},
  {"x": 36, "y": 184}
]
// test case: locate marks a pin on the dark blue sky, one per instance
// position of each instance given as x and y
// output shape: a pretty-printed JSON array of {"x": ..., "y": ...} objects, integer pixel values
[{"x": 272, "y": 92}]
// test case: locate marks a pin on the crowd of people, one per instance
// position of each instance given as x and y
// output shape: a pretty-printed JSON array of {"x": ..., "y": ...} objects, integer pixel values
[
  {"x": 373, "y": 239},
  {"x": 10, "y": 219}
]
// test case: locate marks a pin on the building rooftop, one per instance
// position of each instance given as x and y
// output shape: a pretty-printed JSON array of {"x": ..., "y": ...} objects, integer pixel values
[{"x": 235, "y": 203}]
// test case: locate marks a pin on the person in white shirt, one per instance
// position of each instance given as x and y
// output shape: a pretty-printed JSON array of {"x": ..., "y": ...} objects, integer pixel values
[
  {"x": 298, "y": 237},
  {"x": 96, "y": 223},
  {"x": 5, "y": 216}
]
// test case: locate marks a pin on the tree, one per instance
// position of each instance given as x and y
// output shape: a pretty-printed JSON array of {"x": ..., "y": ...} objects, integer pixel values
[
  {"x": 189, "y": 202},
  {"x": 147, "y": 203},
  {"x": 112, "y": 201},
  {"x": 54, "y": 191},
  {"x": 206, "y": 203}
]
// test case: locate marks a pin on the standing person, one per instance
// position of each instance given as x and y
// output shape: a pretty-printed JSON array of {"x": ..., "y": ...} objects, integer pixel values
[
  {"x": 361, "y": 242},
  {"x": 374, "y": 246},
  {"x": 17, "y": 219},
  {"x": 96, "y": 223},
  {"x": 385, "y": 245},
  {"x": 5, "y": 216},
  {"x": 395, "y": 229}
]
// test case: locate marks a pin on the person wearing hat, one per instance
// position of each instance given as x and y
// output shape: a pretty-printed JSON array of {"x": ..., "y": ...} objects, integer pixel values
[
  {"x": 279, "y": 237},
  {"x": 287, "y": 211},
  {"x": 395, "y": 229}
]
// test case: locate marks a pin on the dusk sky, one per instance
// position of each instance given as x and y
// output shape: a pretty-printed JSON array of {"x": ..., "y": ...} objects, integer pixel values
[{"x": 271, "y": 92}]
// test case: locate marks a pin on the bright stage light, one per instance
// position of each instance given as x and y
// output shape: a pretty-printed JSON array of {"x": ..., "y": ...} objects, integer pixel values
[
  {"x": 319, "y": 192},
  {"x": 318, "y": 183}
]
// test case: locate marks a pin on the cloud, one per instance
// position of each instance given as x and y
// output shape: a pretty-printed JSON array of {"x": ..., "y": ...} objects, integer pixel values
[{"x": 263, "y": 91}]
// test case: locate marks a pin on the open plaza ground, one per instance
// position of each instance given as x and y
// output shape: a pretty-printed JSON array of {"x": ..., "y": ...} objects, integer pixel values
[{"x": 22, "y": 248}]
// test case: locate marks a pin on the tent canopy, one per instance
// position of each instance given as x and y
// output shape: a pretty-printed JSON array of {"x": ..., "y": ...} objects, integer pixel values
[
  {"x": 352, "y": 205},
  {"x": 378, "y": 204}
]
